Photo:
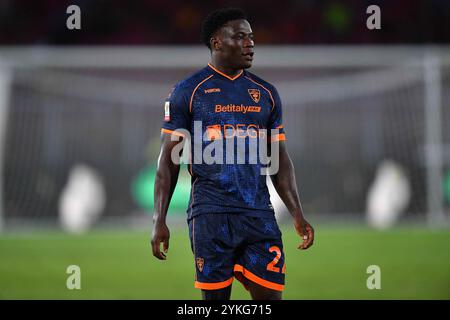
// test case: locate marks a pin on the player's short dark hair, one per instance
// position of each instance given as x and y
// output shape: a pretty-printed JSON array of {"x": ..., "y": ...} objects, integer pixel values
[{"x": 217, "y": 19}]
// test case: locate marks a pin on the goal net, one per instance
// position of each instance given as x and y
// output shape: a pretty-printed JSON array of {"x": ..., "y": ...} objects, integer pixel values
[{"x": 367, "y": 132}]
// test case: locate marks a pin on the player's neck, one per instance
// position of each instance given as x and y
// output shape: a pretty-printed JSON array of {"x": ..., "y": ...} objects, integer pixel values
[{"x": 228, "y": 71}]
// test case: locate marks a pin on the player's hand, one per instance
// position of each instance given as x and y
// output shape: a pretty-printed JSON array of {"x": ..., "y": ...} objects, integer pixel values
[
  {"x": 160, "y": 235},
  {"x": 305, "y": 230}
]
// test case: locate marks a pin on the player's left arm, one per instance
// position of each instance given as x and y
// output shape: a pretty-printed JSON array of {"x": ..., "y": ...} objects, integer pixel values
[
  {"x": 284, "y": 179},
  {"x": 285, "y": 183}
]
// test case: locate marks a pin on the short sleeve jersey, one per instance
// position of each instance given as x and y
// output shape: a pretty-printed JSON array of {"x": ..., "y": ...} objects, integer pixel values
[{"x": 228, "y": 119}]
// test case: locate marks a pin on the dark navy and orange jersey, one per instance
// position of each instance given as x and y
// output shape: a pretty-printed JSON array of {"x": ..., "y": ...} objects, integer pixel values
[{"x": 242, "y": 109}]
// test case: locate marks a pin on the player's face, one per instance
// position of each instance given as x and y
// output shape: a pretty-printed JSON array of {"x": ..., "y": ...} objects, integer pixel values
[{"x": 237, "y": 44}]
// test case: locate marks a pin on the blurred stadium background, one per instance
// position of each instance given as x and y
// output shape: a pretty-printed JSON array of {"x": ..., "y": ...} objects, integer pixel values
[{"x": 367, "y": 118}]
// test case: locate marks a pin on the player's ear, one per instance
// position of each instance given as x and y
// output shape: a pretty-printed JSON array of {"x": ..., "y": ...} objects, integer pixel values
[{"x": 215, "y": 42}]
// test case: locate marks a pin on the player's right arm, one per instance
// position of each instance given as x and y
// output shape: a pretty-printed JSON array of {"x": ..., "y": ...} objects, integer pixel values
[
  {"x": 176, "y": 117},
  {"x": 165, "y": 183}
]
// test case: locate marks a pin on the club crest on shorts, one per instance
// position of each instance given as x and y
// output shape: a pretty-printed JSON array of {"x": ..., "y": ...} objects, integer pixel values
[
  {"x": 200, "y": 263},
  {"x": 254, "y": 94}
]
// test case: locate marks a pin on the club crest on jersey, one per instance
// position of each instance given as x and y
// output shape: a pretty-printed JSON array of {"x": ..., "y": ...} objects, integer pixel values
[
  {"x": 200, "y": 263},
  {"x": 254, "y": 94},
  {"x": 167, "y": 111}
]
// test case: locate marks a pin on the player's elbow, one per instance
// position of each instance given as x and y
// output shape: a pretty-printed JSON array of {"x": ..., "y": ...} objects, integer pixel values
[{"x": 166, "y": 171}]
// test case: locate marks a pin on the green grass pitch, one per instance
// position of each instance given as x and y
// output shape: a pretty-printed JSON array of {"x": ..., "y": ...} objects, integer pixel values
[{"x": 414, "y": 262}]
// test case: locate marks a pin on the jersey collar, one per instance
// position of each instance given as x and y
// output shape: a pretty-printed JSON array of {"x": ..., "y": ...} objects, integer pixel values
[{"x": 224, "y": 75}]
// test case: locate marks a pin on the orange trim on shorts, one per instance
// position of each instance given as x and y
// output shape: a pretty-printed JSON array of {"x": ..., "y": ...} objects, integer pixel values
[
  {"x": 175, "y": 133},
  {"x": 223, "y": 74},
  {"x": 278, "y": 137},
  {"x": 193, "y": 246},
  {"x": 192, "y": 194},
  {"x": 270, "y": 94},
  {"x": 214, "y": 285},
  {"x": 258, "y": 280},
  {"x": 193, "y": 92}
]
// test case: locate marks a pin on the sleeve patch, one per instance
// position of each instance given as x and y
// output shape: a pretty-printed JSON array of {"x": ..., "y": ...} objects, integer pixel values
[{"x": 167, "y": 111}]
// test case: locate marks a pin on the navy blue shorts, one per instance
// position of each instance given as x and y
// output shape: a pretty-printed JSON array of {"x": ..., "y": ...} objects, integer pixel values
[{"x": 233, "y": 245}]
